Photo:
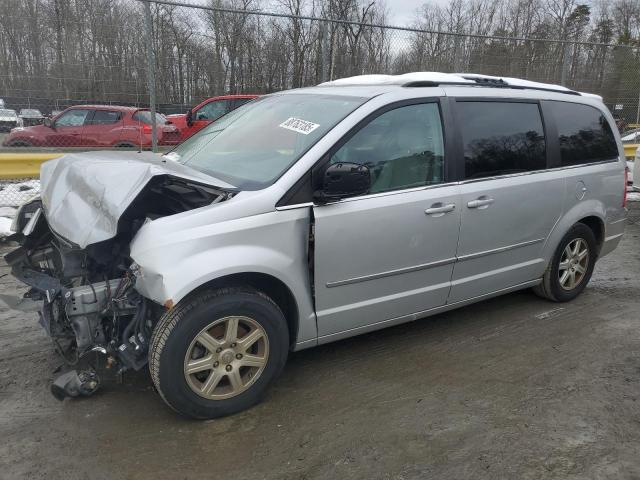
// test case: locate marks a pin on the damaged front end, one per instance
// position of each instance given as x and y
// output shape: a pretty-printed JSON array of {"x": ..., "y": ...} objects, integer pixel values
[{"x": 88, "y": 289}]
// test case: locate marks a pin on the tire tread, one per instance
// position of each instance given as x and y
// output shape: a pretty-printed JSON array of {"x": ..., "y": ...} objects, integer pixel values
[{"x": 170, "y": 319}]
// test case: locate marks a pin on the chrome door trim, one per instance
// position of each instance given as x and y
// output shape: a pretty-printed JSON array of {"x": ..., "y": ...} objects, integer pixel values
[
  {"x": 535, "y": 172},
  {"x": 499, "y": 250},
  {"x": 389, "y": 273},
  {"x": 297, "y": 205}
]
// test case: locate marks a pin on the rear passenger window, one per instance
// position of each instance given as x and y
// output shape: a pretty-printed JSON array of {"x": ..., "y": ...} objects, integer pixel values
[
  {"x": 584, "y": 133},
  {"x": 403, "y": 148},
  {"x": 104, "y": 117},
  {"x": 501, "y": 138}
]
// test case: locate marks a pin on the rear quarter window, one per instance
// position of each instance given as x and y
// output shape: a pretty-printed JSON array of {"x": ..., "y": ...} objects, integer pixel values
[{"x": 584, "y": 134}]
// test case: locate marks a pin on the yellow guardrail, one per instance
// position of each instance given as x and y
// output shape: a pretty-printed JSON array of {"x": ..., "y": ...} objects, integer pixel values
[
  {"x": 630, "y": 150},
  {"x": 23, "y": 165}
]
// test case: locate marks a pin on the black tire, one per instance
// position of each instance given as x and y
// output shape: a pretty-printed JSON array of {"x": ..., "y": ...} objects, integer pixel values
[
  {"x": 550, "y": 288},
  {"x": 177, "y": 329},
  {"x": 124, "y": 145},
  {"x": 19, "y": 143}
]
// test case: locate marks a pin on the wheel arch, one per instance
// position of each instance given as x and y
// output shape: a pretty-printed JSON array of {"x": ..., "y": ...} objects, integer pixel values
[
  {"x": 596, "y": 224},
  {"x": 271, "y": 286},
  {"x": 589, "y": 212}
]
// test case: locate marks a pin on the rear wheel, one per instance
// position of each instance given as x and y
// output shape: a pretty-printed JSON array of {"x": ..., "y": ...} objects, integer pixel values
[
  {"x": 217, "y": 351},
  {"x": 571, "y": 267}
]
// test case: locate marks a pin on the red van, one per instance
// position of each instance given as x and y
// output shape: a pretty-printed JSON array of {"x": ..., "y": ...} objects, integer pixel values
[
  {"x": 96, "y": 126},
  {"x": 207, "y": 112}
]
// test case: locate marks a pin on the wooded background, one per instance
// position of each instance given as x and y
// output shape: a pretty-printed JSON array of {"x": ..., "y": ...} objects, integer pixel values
[{"x": 55, "y": 53}]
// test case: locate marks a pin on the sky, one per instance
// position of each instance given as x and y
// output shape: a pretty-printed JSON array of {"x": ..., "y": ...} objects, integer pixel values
[{"x": 402, "y": 12}]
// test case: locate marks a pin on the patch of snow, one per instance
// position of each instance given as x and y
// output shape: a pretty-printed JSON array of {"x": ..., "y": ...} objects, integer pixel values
[
  {"x": 5, "y": 227},
  {"x": 8, "y": 212},
  {"x": 633, "y": 196},
  {"x": 12, "y": 195},
  {"x": 15, "y": 194}
]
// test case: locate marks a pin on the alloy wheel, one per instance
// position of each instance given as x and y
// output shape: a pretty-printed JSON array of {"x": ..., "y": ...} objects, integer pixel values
[
  {"x": 574, "y": 264},
  {"x": 226, "y": 357}
]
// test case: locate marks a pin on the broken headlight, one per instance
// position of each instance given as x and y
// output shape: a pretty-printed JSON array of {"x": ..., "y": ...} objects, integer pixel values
[{"x": 25, "y": 212}]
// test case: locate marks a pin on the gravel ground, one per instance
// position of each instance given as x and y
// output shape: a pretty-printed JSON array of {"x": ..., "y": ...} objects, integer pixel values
[{"x": 514, "y": 387}]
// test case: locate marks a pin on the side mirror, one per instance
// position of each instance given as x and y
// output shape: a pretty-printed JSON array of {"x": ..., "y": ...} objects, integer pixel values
[
  {"x": 343, "y": 180},
  {"x": 48, "y": 122},
  {"x": 189, "y": 118}
]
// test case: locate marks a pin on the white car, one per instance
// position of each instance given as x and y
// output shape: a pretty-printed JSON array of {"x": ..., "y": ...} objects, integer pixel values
[{"x": 9, "y": 119}]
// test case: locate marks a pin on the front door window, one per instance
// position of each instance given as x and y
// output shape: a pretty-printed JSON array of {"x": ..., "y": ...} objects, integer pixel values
[{"x": 403, "y": 148}]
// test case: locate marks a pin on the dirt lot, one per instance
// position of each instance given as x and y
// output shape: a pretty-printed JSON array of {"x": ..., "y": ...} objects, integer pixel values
[{"x": 515, "y": 387}]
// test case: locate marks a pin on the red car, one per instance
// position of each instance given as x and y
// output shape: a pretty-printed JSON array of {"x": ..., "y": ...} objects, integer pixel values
[
  {"x": 96, "y": 126},
  {"x": 207, "y": 112}
]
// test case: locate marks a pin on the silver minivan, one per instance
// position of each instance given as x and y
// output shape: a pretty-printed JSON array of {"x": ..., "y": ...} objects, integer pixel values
[{"x": 312, "y": 215}]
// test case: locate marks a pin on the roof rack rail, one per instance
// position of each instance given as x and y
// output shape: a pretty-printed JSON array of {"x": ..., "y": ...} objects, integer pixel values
[
  {"x": 518, "y": 83},
  {"x": 434, "y": 79}
]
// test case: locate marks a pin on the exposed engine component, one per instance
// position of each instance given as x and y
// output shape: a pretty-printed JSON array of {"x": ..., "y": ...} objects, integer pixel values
[
  {"x": 89, "y": 301},
  {"x": 75, "y": 384}
]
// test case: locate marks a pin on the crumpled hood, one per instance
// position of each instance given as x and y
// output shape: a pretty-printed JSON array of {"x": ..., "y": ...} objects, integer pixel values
[{"x": 84, "y": 194}]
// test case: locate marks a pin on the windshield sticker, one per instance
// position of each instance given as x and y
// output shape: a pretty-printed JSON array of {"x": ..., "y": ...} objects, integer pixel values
[{"x": 299, "y": 125}]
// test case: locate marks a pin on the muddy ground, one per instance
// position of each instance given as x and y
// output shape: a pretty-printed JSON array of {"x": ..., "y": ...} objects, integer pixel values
[{"x": 514, "y": 387}]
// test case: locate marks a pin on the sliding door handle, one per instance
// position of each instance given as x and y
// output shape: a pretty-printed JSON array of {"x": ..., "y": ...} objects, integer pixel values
[
  {"x": 438, "y": 209},
  {"x": 482, "y": 202}
]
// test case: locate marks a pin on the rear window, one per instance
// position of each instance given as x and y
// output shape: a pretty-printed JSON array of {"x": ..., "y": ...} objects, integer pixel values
[
  {"x": 501, "y": 138},
  {"x": 144, "y": 116},
  {"x": 30, "y": 112},
  {"x": 584, "y": 133}
]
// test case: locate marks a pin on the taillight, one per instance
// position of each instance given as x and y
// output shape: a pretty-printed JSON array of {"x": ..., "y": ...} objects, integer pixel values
[
  {"x": 147, "y": 129},
  {"x": 624, "y": 192}
]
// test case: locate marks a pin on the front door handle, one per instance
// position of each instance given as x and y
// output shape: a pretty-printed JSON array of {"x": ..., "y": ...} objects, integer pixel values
[
  {"x": 438, "y": 209},
  {"x": 482, "y": 202}
]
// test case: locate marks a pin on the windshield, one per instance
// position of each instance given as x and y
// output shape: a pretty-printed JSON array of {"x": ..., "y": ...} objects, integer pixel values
[
  {"x": 7, "y": 113},
  {"x": 252, "y": 146},
  {"x": 34, "y": 113}
]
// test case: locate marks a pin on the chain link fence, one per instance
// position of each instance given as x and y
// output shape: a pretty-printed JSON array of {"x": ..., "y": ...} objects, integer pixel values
[{"x": 96, "y": 56}]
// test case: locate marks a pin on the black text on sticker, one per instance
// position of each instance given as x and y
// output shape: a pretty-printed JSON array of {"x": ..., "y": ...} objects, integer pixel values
[{"x": 299, "y": 125}]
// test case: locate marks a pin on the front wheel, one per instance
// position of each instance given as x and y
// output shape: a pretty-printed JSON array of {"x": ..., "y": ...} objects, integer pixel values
[
  {"x": 19, "y": 143},
  {"x": 217, "y": 351},
  {"x": 571, "y": 267}
]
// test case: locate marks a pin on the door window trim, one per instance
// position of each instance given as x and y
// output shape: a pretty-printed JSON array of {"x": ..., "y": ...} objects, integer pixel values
[{"x": 306, "y": 180}]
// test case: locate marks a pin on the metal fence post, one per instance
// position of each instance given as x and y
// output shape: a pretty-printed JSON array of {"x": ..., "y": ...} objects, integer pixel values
[
  {"x": 565, "y": 65},
  {"x": 324, "y": 50},
  {"x": 151, "y": 73}
]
